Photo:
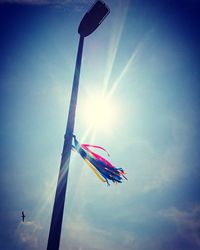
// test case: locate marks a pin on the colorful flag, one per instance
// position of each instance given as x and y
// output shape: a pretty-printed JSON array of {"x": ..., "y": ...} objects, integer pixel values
[{"x": 104, "y": 170}]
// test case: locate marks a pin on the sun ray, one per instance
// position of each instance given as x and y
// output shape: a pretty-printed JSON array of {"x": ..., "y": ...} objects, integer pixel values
[
  {"x": 131, "y": 62},
  {"x": 49, "y": 191},
  {"x": 123, "y": 72},
  {"x": 117, "y": 29}
]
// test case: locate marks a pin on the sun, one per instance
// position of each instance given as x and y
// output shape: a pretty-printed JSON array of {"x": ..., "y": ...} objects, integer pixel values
[{"x": 100, "y": 112}]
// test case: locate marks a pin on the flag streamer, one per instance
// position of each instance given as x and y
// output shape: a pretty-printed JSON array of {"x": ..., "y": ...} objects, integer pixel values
[{"x": 103, "y": 169}]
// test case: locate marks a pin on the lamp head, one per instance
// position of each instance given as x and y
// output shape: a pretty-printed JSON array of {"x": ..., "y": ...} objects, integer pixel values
[{"x": 93, "y": 18}]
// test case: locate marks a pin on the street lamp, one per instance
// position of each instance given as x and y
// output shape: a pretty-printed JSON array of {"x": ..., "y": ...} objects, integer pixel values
[{"x": 89, "y": 23}]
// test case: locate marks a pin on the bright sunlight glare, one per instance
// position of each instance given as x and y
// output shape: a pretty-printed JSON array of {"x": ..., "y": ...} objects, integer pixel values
[{"x": 100, "y": 112}]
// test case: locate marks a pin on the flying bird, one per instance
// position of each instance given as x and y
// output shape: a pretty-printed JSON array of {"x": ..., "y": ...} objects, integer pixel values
[{"x": 23, "y": 216}]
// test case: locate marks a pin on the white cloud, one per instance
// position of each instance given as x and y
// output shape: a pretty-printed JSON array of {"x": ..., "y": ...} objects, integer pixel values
[
  {"x": 81, "y": 234},
  {"x": 187, "y": 222},
  {"x": 77, "y": 226},
  {"x": 27, "y": 233}
]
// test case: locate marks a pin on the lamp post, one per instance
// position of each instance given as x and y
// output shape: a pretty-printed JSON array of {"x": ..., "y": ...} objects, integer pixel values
[{"x": 89, "y": 23}]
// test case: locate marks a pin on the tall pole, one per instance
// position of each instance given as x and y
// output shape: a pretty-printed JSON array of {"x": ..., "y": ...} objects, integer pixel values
[
  {"x": 89, "y": 23},
  {"x": 58, "y": 208}
]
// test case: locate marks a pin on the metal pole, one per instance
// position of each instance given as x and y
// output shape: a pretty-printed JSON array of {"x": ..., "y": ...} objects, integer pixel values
[{"x": 58, "y": 208}]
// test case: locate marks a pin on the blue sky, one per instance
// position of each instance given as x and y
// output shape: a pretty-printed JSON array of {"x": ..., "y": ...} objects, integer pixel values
[{"x": 145, "y": 56}]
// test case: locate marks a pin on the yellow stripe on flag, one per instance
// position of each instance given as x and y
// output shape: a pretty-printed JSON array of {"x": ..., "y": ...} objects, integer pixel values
[{"x": 94, "y": 170}]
